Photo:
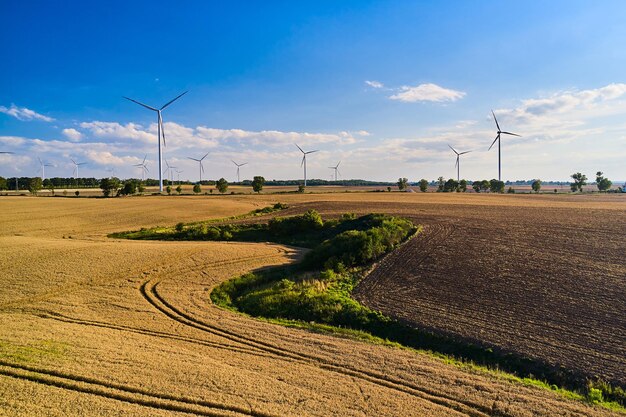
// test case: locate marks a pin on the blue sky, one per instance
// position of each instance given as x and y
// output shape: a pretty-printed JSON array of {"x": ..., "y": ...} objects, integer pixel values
[{"x": 384, "y": 87}]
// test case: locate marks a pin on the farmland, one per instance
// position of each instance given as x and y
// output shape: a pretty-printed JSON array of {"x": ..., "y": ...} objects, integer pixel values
[{"x": 93, "y": 326}]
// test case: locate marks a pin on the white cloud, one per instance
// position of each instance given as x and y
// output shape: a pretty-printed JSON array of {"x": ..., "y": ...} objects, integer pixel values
[
  {"x": 24, "y": 114},
  {"x": 427, "y": 92},
  {"x": 72, "y": 134},
  {"x": 12, "y": 140},
  {"x": 375, "y": 84},
  {"x": 114, "y": 130}
]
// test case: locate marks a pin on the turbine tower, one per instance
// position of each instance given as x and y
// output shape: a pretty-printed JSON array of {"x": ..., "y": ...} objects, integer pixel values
[
  {"x": 458, "y": 164},
  {"x": 336, "y": 168},
  {"x": 144, "y": 167},
  {"x": 76, "y": 165},
  {"x": 43, "y": 168},
  {"x": 160, "y": 132},
  {"x": 498, "y": 139},
  {"x": 303, "y": 163},
  {"x": 238, "y": 166},
  {"x": 199, "y": 161}
]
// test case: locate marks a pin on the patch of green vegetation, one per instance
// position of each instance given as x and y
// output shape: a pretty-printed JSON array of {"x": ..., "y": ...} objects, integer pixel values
[{"x": 31, "y": 352}]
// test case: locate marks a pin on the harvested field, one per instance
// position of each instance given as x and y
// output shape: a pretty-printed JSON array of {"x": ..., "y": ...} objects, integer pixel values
[{"x": 93, "y": 326}]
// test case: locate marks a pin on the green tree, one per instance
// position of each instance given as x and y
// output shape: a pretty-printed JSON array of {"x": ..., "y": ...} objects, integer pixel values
[
  {"x": 109, "y": 186},
  {"x": 221, "y": 185},
  {"x": 257, "y": 184},
  {"x": 580, "y": 180},
  {"x": 423, "y": 185},
  {"x": 129, "y": 188},
  {"x": 476, "y": 186},
  {"x": 536, "y": 185},
  {"x": 388, "y": 189},
  {"x": 179, "y": 190},
  {"x": 485, "y": 185},
  {"x": 462, "y": 186},
  {"x": 197, "y": 189},
  {"x": 3, "y": 184},
  {"x": 450, "y": 186},
  {"x": 440, "y": 183},
  {"x": 301, "y": 188},
  {"x": 496, "y": 186},
  {"x": 140, "y": 187},
  {"x": 403, "y": 183},
  {"x": 76, "y": 193},
  {"x": 168, "y": 189},
  {"x": 603, "y": 184},
  {"x": 35, "y": 185}
]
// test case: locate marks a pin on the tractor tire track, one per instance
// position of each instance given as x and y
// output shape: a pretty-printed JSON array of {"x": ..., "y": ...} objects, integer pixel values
[
  {"x": 124, "y": 393},
  {"x": 150, "y": 292}
]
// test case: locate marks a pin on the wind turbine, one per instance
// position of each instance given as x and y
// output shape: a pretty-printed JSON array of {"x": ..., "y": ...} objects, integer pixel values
[
  {"x": 303, "y": 163},
  {"x": 458, "y": 164},
  {"x": 76, "y": 165},
  {"x": 201, "y": 168},
  {"x": 144, "y": 167},
  {"x": 178, "y": 172},
  {"x": 498, "y": 139},
  {"x": 336, "y": 168},
  {"x": 43, "y": 168},
  {"x": 160, "y": 131},
  {"x": 111, "y": 171},
  {"x": 238, "y": 166},
  {"x": 171, "y": 170}
]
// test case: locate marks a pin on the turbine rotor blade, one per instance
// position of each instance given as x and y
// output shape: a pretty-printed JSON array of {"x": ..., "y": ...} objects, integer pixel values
[
  {"x": 173, "y": 100},
  {"x": 494, "y": 141},
  {"x": 162, "y": 130},
  {"x": 312, "y": 151},
  {"x": 205, "y": 155},
  {"x": 201, "y": 167},
  {"x": 453, "y": 150},
  {"x": 299, "y": 148},
  {"x": 197, "y": 160},
  {"x": 463, "y": 153},
  {"x": 303, "y": 159},
  {"x": 456, "y": 164},
  {"x": 338, "y": 164},
  {"x": 144, "y": 159},
  {"x": 512, "y": 134},
  {"x": 494, "y": 118},
  {"x": 245, "y": 163},
  {"x": 141, "y": 104}
]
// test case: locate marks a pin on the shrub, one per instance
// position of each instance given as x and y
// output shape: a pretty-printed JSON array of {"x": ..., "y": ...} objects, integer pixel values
[
  {"x": 281, "y": 226},
  {"x": 197, "y": 189},
  {"x": 76, "y": 193},
  {"x": 180, "y": 226}
]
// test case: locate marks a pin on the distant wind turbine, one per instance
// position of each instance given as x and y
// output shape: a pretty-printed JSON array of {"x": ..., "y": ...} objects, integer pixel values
[
  {"x": 303, "y": 163},
  {"x": 458, "y": 164},
  {"x": 160, "y": 132},
  {"x": 76, "y": 165},
  {"x": 43, "y": 168},
  {"x": 171, "y": 169},
  {"x": 179, "y": 172},
  {"x": 144, "y": 167},
  {"x": 238, "y": 166},
  {"x": 336, "y": 168},
  {"x": 498, "y": 139},
  {"x": 201, "y": 168},
  {"x": 111, "y": 171}
]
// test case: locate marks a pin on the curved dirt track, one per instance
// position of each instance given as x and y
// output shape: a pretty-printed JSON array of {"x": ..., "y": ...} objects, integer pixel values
[{"x": 121, "y": 327}]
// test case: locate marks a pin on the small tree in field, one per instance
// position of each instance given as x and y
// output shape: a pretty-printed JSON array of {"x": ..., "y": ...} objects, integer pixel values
[
  {"x": 603, "y": 184},
  {"x": 440, "y": 183},
  {"x": 35, "y": 185},
  {"x": 179, "y": 190},
  {"x": 76, "y": 193},
  {"x": 462, "y": 186},
  {"x": 3, "y": 184},
  {"x": 423, "y": 185},
  {"x": 109, "y": 186},
  {"x": 476, "y": 186},
  {"x": 168, "y": 189},
  {"x": 221, "y": 185},
  {"x": 485, "y": 185},
  {"x": 257, "y": 184},
  {"x": 496, "y": 186},
  {"x": 402, "y": 183},
  {"x": 536, "y": 185},
  {"x": 197, "y": 189},
  {"x": 450, "y": 186},
  {"x": 580, "y": 180}
]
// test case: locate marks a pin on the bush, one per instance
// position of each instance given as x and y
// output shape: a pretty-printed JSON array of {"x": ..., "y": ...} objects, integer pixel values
[
  {"x": 179, "y": 227},
  {"x": 282, "y": 226},
  {"x": 197, "y": 189}
]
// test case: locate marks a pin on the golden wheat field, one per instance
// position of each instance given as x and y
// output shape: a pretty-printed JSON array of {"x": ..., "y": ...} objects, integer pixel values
[{"x": 96, "y": 326}]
